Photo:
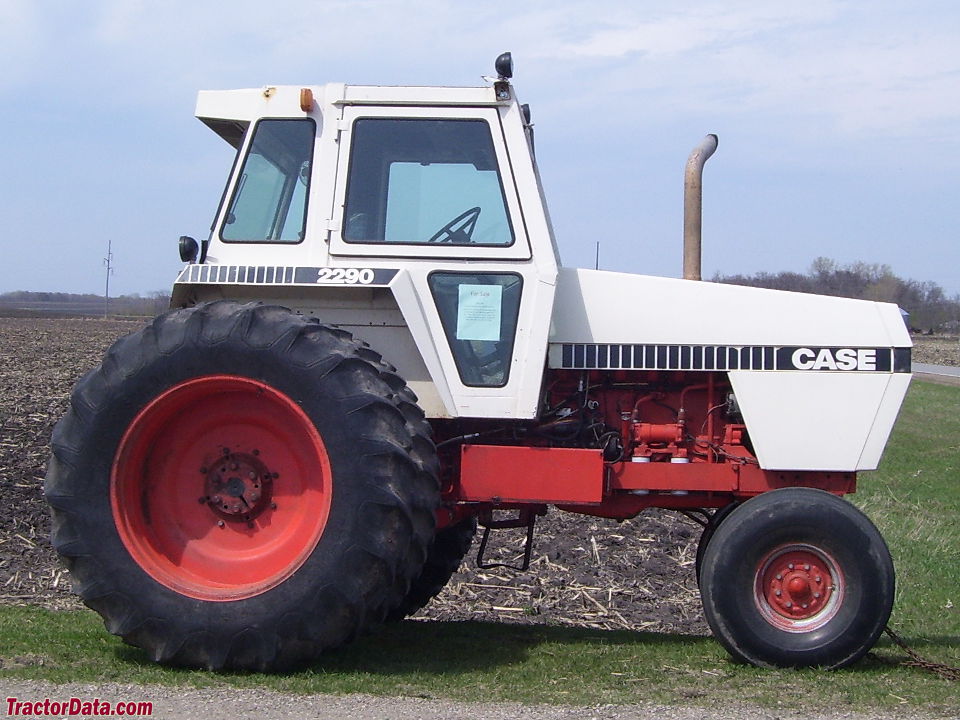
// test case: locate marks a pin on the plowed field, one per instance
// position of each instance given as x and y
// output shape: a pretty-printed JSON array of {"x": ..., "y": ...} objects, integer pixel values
[{"x": 585, "y": 571}]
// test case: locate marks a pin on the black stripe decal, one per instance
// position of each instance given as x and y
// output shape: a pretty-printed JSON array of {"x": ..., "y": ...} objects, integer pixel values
[
  {"x": 288, "y": 275},
  {"x": 725, "y": 357}
]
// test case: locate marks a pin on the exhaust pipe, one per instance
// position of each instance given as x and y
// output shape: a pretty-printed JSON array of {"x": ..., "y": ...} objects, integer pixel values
[{"x": 693, "y": 206}]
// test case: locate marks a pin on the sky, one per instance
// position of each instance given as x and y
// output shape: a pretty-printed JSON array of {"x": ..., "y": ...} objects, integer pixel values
[{"x": 838, "y": 123}]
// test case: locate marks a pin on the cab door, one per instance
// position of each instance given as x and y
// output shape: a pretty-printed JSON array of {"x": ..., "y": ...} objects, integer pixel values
[{"x": 433, "y": 193}]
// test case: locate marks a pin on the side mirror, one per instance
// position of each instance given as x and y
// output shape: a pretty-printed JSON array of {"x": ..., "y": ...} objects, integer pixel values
[{"x": 189, "y": 249}]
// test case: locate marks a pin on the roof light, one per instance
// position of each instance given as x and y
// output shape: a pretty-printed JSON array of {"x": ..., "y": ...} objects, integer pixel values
[
  {"x": 504, "y": 66},
  {"x": 306, "y": 99}
]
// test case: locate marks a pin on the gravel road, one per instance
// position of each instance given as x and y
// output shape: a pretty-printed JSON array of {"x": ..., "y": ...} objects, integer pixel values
[{"x": 233, "y": 704}]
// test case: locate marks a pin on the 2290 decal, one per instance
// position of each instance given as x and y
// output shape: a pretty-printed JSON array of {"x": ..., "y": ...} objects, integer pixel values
[{"x": 345, "y": 276}]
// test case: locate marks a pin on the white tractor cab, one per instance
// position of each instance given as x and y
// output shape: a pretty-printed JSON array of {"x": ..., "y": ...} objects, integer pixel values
[{"x": 377, "y": 348}]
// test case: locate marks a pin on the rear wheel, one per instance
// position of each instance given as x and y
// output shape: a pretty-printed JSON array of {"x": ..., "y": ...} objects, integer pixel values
[
  {"x": 797, "y": 577},
  {"x": 447, "y": 551},
  {"x": 238, "y": 486}
]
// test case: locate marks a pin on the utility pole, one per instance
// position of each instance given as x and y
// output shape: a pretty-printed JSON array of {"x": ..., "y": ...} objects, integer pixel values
[{"x": 108, "y": 263}]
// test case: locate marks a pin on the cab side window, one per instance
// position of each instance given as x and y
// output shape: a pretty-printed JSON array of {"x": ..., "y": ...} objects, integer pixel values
[{"x": 423, "y": 181}]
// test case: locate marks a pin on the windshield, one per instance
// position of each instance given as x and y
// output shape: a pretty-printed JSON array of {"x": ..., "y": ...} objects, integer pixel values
[
  {"x": 421, "y": 181},
  {"x": 270, "y": 199}
]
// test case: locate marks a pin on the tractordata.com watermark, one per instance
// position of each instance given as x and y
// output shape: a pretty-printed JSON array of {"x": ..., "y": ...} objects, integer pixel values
[{"x": 76, "y": 707}]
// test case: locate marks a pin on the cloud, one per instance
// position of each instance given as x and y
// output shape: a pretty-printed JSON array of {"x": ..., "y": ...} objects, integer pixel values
[
  {"x": 853, "y": 68},
  {"x": 687, "y": 27},
  {"x": 19, "y": 28}
]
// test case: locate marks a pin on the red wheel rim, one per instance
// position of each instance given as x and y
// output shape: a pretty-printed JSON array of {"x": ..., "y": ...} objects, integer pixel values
[
  {"x": 798, "y": 588},
  {"x": 221, "y": 488}
]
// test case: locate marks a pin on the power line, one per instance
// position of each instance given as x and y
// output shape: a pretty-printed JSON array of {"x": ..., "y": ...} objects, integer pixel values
[{"x": 108, "y": 263}]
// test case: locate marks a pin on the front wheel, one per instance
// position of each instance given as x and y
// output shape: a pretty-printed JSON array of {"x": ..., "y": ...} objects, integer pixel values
[{"x": 797, "y": 577}]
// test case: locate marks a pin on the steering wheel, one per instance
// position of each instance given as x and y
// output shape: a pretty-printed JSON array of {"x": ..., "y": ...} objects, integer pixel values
[{"x": 459, "y": 230}]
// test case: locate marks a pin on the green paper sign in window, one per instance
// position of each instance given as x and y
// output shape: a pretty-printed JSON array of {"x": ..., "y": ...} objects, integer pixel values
[{"x": 479, "y": 313}]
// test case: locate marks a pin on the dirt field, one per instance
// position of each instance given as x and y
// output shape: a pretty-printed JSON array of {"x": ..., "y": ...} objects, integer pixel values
[
  {"x": 589, "y": 572},
  {"x": 937, "y": 349}
]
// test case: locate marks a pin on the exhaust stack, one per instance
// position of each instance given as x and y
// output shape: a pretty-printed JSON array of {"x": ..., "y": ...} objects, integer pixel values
[{"x": 693, "y": 205}]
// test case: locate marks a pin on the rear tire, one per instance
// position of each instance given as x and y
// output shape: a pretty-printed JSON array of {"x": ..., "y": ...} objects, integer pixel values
[
  {"x": 797, "y": 577},
  {"x": 237, "y": 486},
  {"x": 447, "y": 551}
]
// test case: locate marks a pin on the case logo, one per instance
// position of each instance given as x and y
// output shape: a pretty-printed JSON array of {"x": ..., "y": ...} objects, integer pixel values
[{"x": 834, "y": 358}]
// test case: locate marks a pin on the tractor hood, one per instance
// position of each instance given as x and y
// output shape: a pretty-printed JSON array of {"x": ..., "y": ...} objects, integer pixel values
[
  {"x": 595, "y": 306},
  {"x": 798, "y": 363}
]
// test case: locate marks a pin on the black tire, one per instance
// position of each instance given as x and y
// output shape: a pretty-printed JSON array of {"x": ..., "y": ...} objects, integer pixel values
[
  {"x": 382, "y": 492},
  {"x": 797, "y": 577},
  {"x": 708, "y": 532},
  {"x": 447, "y": 551}
]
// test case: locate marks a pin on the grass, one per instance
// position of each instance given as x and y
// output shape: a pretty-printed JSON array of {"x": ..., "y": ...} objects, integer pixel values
[{"x": 913, "y": 499}]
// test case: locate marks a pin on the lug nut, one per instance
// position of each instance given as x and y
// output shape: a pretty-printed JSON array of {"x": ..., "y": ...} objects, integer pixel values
[
  {"x": 252, "y": 475},
  {"x": 216, "y": 499},
  {"x": 818, "y": 579},
  {"x": 779, "y": 576},
  {"x": 220, "y": 523},
  {"x": 273, "y": 506},
  {"x": 778, "y": 593},
  {"x": 807, "y": 568},
  {"x": 789, "y": 605},
  {"x": 790, "y": 566},
  {"x": 816, "y": 595}
]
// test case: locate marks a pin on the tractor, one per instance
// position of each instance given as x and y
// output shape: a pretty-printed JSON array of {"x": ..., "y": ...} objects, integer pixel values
[{"x": 377, "y": 351}]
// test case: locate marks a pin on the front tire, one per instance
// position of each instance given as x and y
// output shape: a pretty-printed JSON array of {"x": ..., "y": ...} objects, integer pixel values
[
  {"x": 237, "y": 486},
  {"x": 708, "y": 532},
  {"x": 797, "y": 577}
]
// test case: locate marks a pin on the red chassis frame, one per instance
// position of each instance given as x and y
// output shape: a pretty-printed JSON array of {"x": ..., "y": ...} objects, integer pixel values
[
  {"x": 677, "y": 451},
  {"x": 578, "y": 480}
]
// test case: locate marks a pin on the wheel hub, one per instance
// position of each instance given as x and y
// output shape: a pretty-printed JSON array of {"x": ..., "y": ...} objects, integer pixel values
[
  {"x": 795, "y": 585},
  {"x": 799, "y": 588},
  {"x": 238, "y": 486},
  {"x": 249, "y": 532}
]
